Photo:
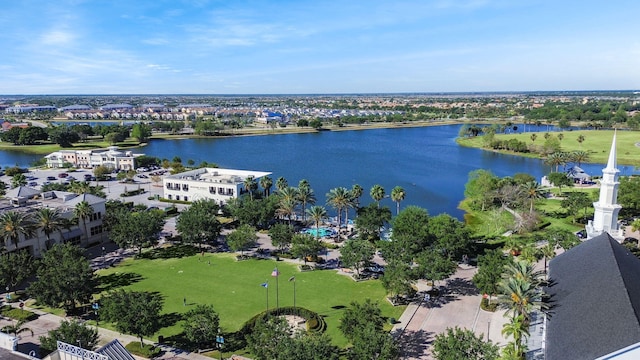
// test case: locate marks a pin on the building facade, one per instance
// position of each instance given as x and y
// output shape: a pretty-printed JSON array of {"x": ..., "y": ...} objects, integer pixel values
[
  {"x": 219, "y": 185},
  {"x": 88, "y": 159},
  {"x": 83, "y": 232}
]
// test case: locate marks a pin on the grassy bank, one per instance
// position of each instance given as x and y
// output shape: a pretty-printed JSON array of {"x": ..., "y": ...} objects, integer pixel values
[
  {"x": 47, "y": 148},
  {"x": 596, "y": 142}
]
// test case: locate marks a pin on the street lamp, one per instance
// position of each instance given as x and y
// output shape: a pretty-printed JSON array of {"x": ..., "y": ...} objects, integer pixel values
[{"x": 95, "y": 307}]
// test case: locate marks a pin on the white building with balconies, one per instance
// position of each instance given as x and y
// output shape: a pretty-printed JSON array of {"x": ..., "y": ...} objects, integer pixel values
[{"x": 219, "y": 185}]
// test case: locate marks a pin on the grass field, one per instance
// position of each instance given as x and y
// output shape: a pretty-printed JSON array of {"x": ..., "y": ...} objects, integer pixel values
[
  {"x": 48, "y": 148},
  {"x": 596, "y": 142},
  {"x": 233, "y": 288}
]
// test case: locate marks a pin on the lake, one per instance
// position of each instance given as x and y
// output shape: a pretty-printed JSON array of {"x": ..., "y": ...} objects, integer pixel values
[{"x": 425, "y": 161}]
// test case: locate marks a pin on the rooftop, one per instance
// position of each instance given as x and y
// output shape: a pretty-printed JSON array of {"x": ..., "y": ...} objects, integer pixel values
[{"x": 217, "y": 175}]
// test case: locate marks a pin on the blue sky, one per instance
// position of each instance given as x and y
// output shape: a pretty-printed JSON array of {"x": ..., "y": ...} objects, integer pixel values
[{"x": 303, "y": 46}]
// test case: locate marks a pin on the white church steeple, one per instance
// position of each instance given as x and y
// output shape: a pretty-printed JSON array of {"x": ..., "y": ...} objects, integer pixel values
[{"x": 605, "y": 217}]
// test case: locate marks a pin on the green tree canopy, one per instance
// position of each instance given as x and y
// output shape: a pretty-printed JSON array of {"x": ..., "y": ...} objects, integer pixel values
[
  {"x": 305, "y": 246},
  {"x": 241, "y": 238},
  {"x": 199, "y": 223},
  {"x": 133, "y": 312},
  {"x": 357, "y": 254},
  {"x": 71, "y": 332},
  {"x": 136, "y": 229},
  {"x": 459, "y": 343},
  {"x": 64, "y": 278},
  {"x": 201, "y": 325}
]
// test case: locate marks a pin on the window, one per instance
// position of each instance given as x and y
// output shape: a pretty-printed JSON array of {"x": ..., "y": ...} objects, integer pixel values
[
  {"x": 96, "y": 230},
  {"x": 169, "y": 197},
  {"x": 185, "y": 187},
  {"x": 186, "y": 198},
  {"x": 212, "y": 190},
  {"x": 178, "y": 197}
]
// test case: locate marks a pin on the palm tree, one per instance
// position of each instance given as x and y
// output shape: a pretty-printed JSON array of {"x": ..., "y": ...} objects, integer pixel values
[
  {"x": 13, "y": 224},
  {"x": 556, "y": 159},
  {"x": 281, "y": 183},
  {"x": 18, "y": 180},
  {"x": 579, "y": 156},
  {"x": 250, "y": 184},
  {"x": 288, "y": 199},
  {"x": 83, "y": 211},
  {"x": 533, "y": 137},
  {"x": 377, "y": 193},
  {"x": 580, "y": 139},
  {"x": 533, "y": 192},
  {"x": 518, "y": 329},
  {"x": 305, "y": 196},
  {"x": 523, "y": 270},
  {"x": 318, "y": 214},
  {"x": 17, "y": 328},
  {"x": 338, "y": 198},
  {"x": 549, "y": 252},
  {"x": 266, "y": 183},
  {"x": 397, "y": 195},
  {"x": 49, "y": 221},
  {"x": 518, "y": 296},
  {"x": 356, "y": 193},
  {"x": 80, "y": 187},
  {"x": 560, "y": 136}
]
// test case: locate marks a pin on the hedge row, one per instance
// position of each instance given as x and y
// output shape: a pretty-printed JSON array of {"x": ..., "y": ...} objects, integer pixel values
[{"x": 311, "y": 317}]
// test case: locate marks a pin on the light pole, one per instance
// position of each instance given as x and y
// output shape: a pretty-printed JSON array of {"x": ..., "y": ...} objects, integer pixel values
[
  {"x": 95, "y": 307},
  {"x": 265, "y": 285}
]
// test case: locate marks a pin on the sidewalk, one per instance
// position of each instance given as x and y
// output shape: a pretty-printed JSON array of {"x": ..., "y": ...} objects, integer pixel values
[{"x": 458, "y": 304}]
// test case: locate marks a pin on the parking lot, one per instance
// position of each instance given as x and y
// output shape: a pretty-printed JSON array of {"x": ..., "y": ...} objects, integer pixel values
[{"x": 112, "y": 189}]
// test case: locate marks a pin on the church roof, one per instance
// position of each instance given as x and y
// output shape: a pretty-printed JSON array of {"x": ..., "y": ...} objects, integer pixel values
[
  {"x": 594, "y": 300},
  {"x": 611, "y": 163},
  {"x": 115, "y": 351}
]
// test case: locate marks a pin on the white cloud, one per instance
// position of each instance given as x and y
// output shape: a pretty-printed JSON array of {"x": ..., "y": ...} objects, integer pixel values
[{"x": 57, "y": 37}]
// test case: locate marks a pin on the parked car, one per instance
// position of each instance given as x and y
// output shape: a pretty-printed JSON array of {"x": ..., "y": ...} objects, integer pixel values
[
  {"x": 51, "y": 178},
  {"x": 33, "y": 183},
  {"x": 63, "y": 175}
]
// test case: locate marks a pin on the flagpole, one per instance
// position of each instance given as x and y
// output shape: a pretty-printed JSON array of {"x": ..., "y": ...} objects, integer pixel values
[
  {"x": 267, "y": 290},
  {"x": 293, "y": 278},
  {"x": 277, "y": 303}
]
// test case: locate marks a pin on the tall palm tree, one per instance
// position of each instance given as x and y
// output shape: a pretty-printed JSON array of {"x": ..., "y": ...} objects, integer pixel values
[
  {"x": 305, "y": 196},
  {"x": 287, "y": 202},
  {"x": 533, "y": 137},
  {"x": 377, "y": 193},
  {"x": 518, "y": 329},
  {"x": 49, "y": 221},
  {"x": 250, "y": 184},
  {"x": 579, "y": 156},
  {"x": 533, "y": 192},
  {"x": 356, "y": 193},
  {"x": 286, "y": 208},
  {"x": 318, "y": 214},
  {"x": 397, "y": 195},
  {"x": 338, "y": 199},
  {"x": 518, "y": 296},
  {"x": 523, "y": 270},
  {"x": 281, "y": 183},
  {"x": 13, "y": 224},
  {"x": 580, "y": 139},
  {"x": 83, "y": 211},
  {"x": 266, "y": 183},
  {"x": 556, "y": 159},
  {"x": 17, "y": 328}
]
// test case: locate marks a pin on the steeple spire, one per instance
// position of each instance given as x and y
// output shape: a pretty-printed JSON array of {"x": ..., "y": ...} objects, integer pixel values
[{"x": 611, "y": 164}]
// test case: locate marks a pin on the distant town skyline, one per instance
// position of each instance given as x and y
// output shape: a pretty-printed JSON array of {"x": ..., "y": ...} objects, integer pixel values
[{"x": 312, "y": 47}]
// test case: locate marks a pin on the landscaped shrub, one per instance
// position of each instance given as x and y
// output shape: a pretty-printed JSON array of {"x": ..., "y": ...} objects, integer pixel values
[
  {"x": 312, "y": 324},
  {"x": 148, "y": 351},
  {"x": 488, "y": 306},
  {"x": 132, "y": 193},
  {"x": 17, "y": 314}
]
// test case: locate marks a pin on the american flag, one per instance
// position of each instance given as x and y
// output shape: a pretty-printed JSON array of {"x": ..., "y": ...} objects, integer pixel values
[{"x": 275, "y": 272}]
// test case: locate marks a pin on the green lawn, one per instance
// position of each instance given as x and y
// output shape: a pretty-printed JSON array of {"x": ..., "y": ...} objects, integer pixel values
[
  {"x": 596, "y": 142},
  {"x": 233, "y": 288}
]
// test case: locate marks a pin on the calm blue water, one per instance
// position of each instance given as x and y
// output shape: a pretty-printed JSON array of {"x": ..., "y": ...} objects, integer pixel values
[{"x": 426, "y": 161}]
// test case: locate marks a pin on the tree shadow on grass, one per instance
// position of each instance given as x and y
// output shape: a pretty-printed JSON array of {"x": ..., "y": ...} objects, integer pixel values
[
  {"x": 118, "y": 280},
  {"x": 171, "y": 252},
  {"x": 170, "y": 319}
]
